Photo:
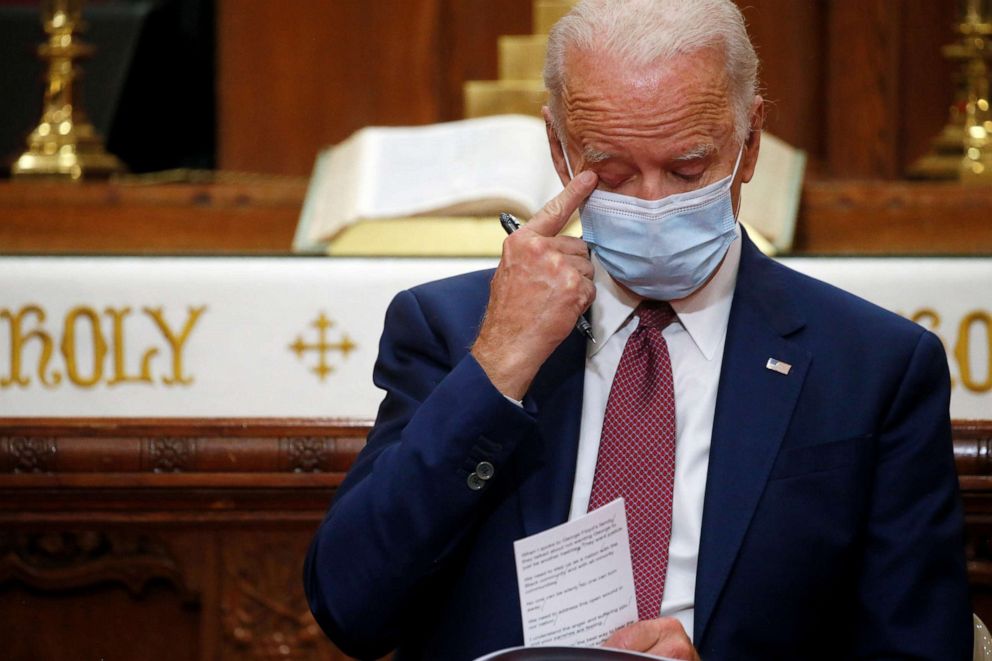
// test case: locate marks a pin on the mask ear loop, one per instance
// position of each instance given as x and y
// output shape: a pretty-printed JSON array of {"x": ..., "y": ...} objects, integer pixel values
[
  {"x": 737, "y": 163},
  {"x": 733, "y": 176},
  {"x": 567, "y": 164}
]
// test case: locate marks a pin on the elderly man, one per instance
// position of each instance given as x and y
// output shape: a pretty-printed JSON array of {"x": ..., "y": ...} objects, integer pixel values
[{"x": 782, "y": 447}]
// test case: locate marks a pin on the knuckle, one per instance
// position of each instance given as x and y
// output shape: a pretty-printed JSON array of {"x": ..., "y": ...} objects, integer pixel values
[
  {"x": 554, "y": 207},
  {"x": 512, "y": 242},
  {"x": 531, "y": 246}
]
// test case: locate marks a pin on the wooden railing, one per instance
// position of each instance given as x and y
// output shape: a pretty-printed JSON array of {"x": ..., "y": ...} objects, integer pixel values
[{"x": 184, "y": 538}]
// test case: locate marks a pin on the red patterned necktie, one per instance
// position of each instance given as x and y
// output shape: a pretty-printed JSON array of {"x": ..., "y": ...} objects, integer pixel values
[{"x": 637, "y": 452}]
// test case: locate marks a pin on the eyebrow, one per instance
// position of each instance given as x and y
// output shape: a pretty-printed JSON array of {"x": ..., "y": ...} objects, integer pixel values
[
  {"x": 702, "y": 150},
  {"x": 699, "y": 151},
  {"x": 590, "y": 155}
]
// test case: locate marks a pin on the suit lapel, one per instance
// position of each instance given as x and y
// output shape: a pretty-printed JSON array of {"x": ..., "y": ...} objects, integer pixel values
[
  {"x": 753, "y": 409},
  {"x": 546, "y": 468}
]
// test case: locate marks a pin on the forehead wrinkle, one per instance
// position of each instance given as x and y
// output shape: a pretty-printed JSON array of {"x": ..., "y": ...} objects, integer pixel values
[
  {"x": 701, "y": 112},
  {"x": 711, "y": 126},
  {"x": 708, "y": 124},
  {"x": 608, "y": 100}
]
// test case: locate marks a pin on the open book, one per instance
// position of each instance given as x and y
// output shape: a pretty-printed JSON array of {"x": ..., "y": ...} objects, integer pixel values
[
  {"x": 770, "y": 201},
  {"x": 469, "y": 168},
  {"x": 437, "y": 189}
]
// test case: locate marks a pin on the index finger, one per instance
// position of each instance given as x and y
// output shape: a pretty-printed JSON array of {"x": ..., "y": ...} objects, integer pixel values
[{"x": 552, "y": 218}]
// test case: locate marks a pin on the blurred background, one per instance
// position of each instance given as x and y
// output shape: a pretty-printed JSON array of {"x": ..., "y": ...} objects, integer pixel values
[
  {"x": 260, "y": 86},
  {"x": 149, "y": 87}
]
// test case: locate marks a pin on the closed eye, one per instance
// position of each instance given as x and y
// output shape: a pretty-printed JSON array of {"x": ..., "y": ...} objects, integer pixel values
[
  {"x": 613, "y": 176},
  {"x": 688, "y": 177}
]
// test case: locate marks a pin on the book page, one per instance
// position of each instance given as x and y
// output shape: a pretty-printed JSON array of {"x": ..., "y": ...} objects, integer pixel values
[
  {"x": 576, "y": 581},
  {"x": 421, "y": 169},
  {"x": 333, "y": 193},
  {"x": 770, "y": 201},
  {"x": 501, "y": 162}
]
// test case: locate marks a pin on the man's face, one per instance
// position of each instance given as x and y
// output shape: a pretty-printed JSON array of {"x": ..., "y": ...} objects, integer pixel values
[{"x": 652, "y": 131}]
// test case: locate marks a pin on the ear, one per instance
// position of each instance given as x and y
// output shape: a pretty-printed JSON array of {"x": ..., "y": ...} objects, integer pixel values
[
  {"x": 557, "y": 156},
  {"x": 752, "y": 145}
]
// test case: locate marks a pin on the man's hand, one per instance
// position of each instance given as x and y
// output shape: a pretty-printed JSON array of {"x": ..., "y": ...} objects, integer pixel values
[
  {"x": 542, "y": 285},
  {"x": 663, "y": 637}
]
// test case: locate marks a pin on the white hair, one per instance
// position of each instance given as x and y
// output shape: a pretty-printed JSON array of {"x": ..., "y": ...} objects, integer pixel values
[{"x": 644, "y": 32}]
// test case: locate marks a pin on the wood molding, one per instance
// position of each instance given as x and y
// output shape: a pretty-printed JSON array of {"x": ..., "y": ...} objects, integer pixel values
[
  {"x": 258, "y": 215},
  {"x": 866, "y": 217},
  {"x": 973, "y": 454},
  {"x": 181, "y": 448},
  {"x": 200, "y": 452},
  {"x": 878, "y": 218},
  {"x": 197, "y": 472}
]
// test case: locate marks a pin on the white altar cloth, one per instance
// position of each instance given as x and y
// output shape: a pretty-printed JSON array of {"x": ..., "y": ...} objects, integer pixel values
[{"x": 297, "y": 336}]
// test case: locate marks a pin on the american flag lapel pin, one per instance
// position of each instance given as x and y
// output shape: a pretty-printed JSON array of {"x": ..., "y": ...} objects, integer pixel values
[{"x": 778, "y": 366}]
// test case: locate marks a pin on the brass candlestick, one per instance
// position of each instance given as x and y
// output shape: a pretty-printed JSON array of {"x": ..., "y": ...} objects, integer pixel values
[
  {"x": 963, "y": 150},
  {"x": 64, "y": 144},
  {"x": 976, "y": 48}
]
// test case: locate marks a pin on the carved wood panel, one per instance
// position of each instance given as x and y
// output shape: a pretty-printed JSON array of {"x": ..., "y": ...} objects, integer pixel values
[
  {"x": 63, "y": 560},
  {"x": 263, "y": 610},
  {"x": 184, "y": 539}
]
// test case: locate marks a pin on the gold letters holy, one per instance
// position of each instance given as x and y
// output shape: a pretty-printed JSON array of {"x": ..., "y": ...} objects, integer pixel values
[{"x": 92, "y": 347}]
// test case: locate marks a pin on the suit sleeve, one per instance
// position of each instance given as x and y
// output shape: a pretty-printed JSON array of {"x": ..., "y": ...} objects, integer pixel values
[
  {"x": 914, "y": 591},
  {"x": 406, "y": 503}
]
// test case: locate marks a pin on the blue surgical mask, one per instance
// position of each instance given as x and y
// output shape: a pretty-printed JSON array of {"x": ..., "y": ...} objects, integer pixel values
[{"x": 661, "y": 249}]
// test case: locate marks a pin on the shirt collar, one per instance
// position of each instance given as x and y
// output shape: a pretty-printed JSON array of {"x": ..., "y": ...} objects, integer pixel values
[{"x": 704, "y": 313}]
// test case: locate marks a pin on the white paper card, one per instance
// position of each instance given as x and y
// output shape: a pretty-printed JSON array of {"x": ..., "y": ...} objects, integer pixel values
[{"x": 576, "y": 581}]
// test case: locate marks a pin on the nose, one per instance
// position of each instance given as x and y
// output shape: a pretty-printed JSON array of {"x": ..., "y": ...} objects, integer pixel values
[{"x": 651, "y": 185}]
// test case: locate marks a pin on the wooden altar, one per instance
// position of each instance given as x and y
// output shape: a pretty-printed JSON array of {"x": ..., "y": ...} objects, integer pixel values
[
  {"x": 259, "y": 215},
  {"x": 184, "y": 539}
]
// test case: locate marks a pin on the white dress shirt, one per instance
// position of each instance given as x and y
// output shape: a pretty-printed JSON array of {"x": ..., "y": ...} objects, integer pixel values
[{"x": 695, "y": 344}]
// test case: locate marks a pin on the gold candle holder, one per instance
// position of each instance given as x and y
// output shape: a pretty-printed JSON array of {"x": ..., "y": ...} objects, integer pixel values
[
  {"x": 976, "y": 165},
  {"x": 963, "y": 150},
  {"x": 64, "y": 144}
]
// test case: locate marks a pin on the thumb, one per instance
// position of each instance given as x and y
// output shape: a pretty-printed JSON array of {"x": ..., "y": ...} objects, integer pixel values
[{"x": 552, "y": 218}]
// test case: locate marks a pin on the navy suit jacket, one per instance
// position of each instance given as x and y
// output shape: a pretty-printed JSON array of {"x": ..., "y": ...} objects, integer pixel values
[{"x": 831, "y": 529}]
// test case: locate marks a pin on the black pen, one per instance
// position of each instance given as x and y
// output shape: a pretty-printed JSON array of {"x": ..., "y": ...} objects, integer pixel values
[{"x": 511, "y": 225}]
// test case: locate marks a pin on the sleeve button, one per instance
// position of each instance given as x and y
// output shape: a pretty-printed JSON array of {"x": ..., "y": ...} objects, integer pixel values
[
  {"x": 475, "y": 482},
  {"x": 485, "y": 470}
]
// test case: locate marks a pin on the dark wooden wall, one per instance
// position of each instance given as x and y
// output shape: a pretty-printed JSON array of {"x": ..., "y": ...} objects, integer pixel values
[
  {"x": 859, "y": 84},
  {"x": 295, "y": 76}
]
